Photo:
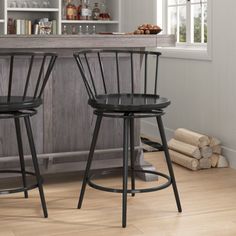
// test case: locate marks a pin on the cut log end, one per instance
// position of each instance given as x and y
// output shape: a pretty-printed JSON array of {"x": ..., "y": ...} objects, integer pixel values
[
  {"x": 184, "y": 148},
  {"x": 217, "y": 149},
  {"x": 190, "y": 137},
  {"x": 214, "y": 141},
  {"x": 205, "y": 163},
  {"x": 206, "y": 152},
  {"x": 183, "y": 160},
  {"x": 222, "y": 162},
  {"x": 214, "y": 160}
]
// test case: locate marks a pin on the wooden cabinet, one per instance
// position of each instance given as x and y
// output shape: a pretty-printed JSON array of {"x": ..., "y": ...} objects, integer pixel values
[{"x": 53, "y": 9}]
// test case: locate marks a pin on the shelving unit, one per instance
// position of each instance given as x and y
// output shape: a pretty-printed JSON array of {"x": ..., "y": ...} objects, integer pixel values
[
  {"x": 113, "y": 25},
  {"x": 89, "y": 22},
  {"x": 9, "y": 9},
  {"x": 55, "y": 13}
]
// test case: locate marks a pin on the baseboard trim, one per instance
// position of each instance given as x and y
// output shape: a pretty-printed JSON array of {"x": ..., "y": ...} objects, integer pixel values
[
  {"x": 230, "y": 154},
  {"x": 148, "y": 128}
]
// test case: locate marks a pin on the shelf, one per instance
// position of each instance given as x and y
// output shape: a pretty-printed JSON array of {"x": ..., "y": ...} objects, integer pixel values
[
  {"x": 17, "y": 9},
  {"x": 89, "y": 22}
]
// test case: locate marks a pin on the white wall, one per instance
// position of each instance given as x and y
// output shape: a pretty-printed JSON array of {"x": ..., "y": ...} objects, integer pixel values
[
  {"x": 136, "y": 12},
  {"x": 203, "y": 93}
]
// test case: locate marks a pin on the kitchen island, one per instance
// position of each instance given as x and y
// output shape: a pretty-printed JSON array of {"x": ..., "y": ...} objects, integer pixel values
[
  {"x": 84, "y": 41},
  {"x": 63, "y": 128}
]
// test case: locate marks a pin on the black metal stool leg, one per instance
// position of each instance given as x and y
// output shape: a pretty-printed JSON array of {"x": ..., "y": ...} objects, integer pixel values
[
  {"x": 168, "y": 160},
  {"x": 21, "y": 154},
  {"x": 89, "y": 162},
  {"x": 35, "y": 163},
  {"x": 132, "y": 158},
  {"x": 125, "y": 169}
]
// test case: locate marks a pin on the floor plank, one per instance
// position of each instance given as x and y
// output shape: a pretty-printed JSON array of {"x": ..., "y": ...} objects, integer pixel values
[{"x": 208, "y": 200}]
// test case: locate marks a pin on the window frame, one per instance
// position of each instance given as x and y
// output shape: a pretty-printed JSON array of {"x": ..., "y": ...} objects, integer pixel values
[{"x": 198, "y": 51}]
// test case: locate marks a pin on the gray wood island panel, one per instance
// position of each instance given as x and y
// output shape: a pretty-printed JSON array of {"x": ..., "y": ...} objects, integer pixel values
[
  {"x": 63, "y": 128},
  {"x": 83, "y": 41}
]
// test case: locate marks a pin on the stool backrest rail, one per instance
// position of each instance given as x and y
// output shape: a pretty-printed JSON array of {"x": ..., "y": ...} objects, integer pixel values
[
  {"x": 25, "y": 74},
  {"x": 115, "y": 71}
]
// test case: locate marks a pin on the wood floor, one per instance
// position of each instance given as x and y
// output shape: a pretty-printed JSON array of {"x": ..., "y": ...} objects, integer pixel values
[{"x": 208, "y": 201}]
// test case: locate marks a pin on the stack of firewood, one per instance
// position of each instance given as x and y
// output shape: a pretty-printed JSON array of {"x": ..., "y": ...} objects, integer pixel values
[{"x": 196, "y": 151}]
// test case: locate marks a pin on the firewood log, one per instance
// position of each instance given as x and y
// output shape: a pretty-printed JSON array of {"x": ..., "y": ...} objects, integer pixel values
[
  {"x": 214, "y": 160},
  {"x": 206, "y": 151},
  {"x": 184, "y": 148},
  {"x": 217, "y": 149},
  {"x": 205, "y": 163},
  {"x": 191, "y": 137},
  {"x": 183, "y": 160},
  {"x": 214, "y": 141},
  {"x": 222, "y": 162}
]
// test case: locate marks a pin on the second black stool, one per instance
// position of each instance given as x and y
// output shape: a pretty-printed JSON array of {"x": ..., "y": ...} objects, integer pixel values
[
  {"x": 109, "y": 98},
  {"x": 22, "y": 97}
]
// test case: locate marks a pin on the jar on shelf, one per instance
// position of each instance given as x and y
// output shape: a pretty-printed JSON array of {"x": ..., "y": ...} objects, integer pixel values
[
  {"x": 10, "y": 26},
  {"x": 64, "y": 29},
  {"x": 96, "y": 11},
  {"x": 86, "y": 12},
  {"x": 104, "y": 15},
  {"x": 79, "y": 8},
  {"x": 70, "y": 10},
  {"x": 73, "y": 30},
  {"x": 64, "y": 13},
  {"x": 80, "y": 30},
  {"x": 94, "y": 30},
  {"x": 46, "y": 4},
  {"x": 87, "y": 29},
  {"x": 75, "y": 10}
]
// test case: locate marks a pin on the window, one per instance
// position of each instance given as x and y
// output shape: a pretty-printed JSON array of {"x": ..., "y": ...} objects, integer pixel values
[{"x": 190, "y": 21}]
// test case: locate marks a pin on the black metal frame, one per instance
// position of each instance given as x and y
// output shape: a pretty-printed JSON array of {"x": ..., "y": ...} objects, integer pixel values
[
  {"x": 23, "y": 106},
  {"x": 128, "y": 112},
  {"x": 22, "y": 171},
  {"x": 128, "y": 120}
]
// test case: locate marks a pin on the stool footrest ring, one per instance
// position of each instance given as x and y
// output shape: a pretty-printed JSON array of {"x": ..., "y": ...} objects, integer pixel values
[
  {"x": 114, "y": 190},
  {"x": 19, "y": 189}
]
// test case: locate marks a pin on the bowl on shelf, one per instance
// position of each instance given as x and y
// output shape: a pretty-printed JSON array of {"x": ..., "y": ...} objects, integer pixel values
[
  {"x": 148, "y": 29},
  {"x": 155, "y": 31}
]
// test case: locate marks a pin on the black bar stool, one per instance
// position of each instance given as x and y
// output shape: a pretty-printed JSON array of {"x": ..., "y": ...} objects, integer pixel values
[
  {"x": 116, "y": 102},
  {"x": 21, "y": 102}
]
